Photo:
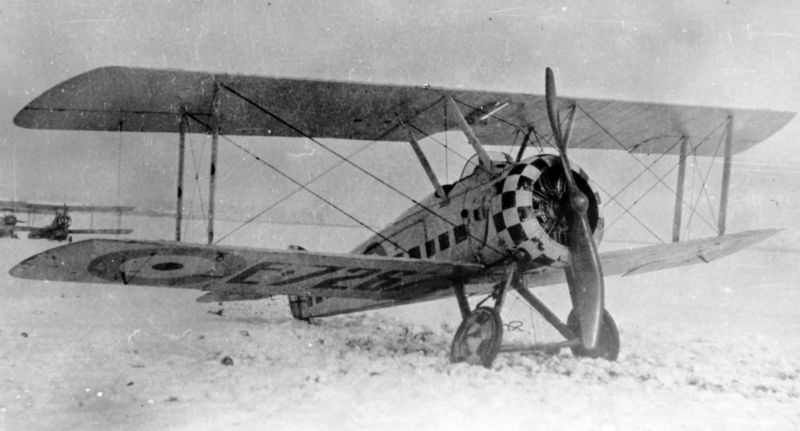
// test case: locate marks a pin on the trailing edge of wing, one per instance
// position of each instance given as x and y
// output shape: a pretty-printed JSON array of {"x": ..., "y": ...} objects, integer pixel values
[
  {"x": 153, "y": 100},
  {"x": 243, "y": 272}
]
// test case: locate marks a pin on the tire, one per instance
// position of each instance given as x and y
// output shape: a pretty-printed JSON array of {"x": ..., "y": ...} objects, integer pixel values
[
  {"x": 607, "y": 341},
  {"x": 478, "y": 338}
]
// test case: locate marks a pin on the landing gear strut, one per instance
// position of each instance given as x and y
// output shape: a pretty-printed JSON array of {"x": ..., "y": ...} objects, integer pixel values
[{"x": 479, "y": 337}]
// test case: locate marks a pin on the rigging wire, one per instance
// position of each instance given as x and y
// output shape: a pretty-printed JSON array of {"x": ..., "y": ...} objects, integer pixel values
[
  {"x": 317, "y": 195},
  {"x": 703, "y": 186},
  {"x": 642, "y": 172},
  {"x": 301, "y": 187},
  {"x": 286, "y": 197},
  {"x": 659, "y": 178},
  {"x": 635, "y": 202},
  {"x": 626, "y": 211},
  {"x": 325, "y": 172},
  {"x": 350, "y": 162},
  {"x": 196, "y": 191},
  {"x": 692, "y": 208}
]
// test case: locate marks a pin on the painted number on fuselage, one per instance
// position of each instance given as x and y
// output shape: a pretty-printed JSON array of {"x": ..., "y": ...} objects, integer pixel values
[{"x": 322, "y": 276}]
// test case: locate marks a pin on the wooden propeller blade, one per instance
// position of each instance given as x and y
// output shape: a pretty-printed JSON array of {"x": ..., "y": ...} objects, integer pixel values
[{"x": 585, "y": 274}]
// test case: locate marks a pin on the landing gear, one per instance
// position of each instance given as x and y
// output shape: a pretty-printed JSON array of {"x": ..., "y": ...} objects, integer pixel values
[
  {"x": 480, "y": 334},
  {"x": 607, "y": 341},
  {"x": 478, "y": 338}
]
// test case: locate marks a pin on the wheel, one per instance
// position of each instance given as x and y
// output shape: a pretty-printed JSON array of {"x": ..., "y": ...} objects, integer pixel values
[
  {"x": 607, "y": 341},
  {"x": 478, "y": 338}
]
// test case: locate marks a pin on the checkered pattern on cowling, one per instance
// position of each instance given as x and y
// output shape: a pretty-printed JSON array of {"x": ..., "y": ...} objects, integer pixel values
[{"x": 514, "y": 217}]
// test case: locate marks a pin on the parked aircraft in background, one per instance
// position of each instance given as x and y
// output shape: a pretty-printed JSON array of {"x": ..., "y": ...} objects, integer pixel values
[{"x": 59, "y": 228}]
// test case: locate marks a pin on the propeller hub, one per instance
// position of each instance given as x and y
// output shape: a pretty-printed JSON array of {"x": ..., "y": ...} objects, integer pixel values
[{"x": 580, "y": 202}]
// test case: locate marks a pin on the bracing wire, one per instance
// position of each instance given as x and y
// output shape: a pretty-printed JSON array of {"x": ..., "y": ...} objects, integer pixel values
[
  {"x": 317, "y": 195},
  {"x": 301, "y": 187},
  {"x": 331, "y": 168},
  {"x": 196, "y": 190},
  {"x": 660, "y": 179},
  {"x": 348, "y": 161},
  {"x": 703, "y": 185},
  {"x": 287, "y": 196}
]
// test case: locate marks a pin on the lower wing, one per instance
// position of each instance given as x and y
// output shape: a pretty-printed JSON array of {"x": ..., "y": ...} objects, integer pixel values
[
  {"x": 651, "y": 258},
  {"x": 243, "y": 273},
  {"x": 349, "y": 282}
]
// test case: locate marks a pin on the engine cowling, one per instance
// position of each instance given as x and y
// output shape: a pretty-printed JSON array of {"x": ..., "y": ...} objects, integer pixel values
[
  {"x": 529, "y": 210},
  {"x": 10, "y": 220}
]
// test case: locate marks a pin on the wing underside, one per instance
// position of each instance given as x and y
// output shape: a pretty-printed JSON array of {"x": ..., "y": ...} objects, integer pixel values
[
  {"x": 242, "y": 272},
  {"x": 151, "y": 100}
]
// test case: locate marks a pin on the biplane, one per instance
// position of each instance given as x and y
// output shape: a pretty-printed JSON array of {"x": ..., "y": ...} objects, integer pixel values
[
  {"x": 59, "y": 228},
  {"x": 509, "y": 222}
]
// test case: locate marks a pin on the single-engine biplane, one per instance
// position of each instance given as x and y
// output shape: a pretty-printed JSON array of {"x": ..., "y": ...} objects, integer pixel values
[
  {"x": 59, "y": 228},
  {"x": 507, "y": 223}
]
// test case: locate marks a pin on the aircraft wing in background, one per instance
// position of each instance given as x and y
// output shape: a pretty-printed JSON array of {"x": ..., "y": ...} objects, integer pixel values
[{"x": 33, "y": 207}]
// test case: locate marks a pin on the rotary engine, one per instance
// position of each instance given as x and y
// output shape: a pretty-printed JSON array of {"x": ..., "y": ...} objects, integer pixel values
[
  {"x": 10, "y": 220},
  {"x": 530, "y": 210}
]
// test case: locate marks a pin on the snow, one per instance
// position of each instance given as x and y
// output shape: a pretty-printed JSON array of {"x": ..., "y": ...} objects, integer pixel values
[{"x": 703, "y": 347}]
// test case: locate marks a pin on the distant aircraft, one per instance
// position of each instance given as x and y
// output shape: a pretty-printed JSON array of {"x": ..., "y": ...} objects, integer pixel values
[
  {"x": 58, "y": 229},
  {"x": 507, "y": 223},
  {"x": 7, "y": 226}
]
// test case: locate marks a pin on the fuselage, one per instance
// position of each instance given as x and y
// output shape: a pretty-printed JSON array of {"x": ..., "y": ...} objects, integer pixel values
[
  {"x": 514, "y": 211},
  {"x": 58, "y": 230},
  {"x": 487, "y": 217}
]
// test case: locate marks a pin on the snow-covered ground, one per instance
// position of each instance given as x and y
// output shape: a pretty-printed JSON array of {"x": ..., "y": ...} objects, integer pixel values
[{"x": 704, "y": 347}]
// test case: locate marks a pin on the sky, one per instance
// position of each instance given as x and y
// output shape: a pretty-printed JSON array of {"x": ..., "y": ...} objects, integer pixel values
[{"x": 725, "y": 53}]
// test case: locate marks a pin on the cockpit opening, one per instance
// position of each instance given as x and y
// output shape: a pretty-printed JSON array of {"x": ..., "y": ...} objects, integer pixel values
[{"x": 501, "y": 160}]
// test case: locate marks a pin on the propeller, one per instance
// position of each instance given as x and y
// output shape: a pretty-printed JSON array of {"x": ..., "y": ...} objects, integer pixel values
[{"x": 585, "y": 274}]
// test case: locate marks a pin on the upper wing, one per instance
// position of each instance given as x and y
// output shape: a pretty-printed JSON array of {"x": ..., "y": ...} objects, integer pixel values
[
  {"x": 32, "y": 207},
  {"x": 242, "y": 273},
  {"x": 152, "y": 100}
]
